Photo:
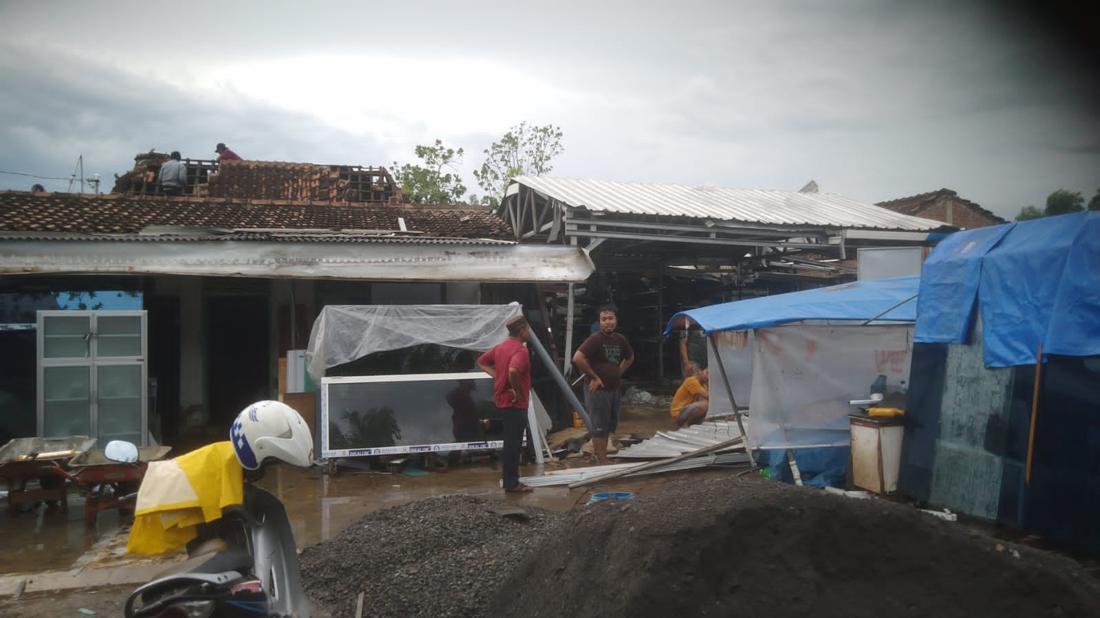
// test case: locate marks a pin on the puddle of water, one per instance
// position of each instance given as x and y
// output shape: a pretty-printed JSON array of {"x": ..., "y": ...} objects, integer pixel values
[
  {"x": 49, "y": 539},
  {"x": 320, "y": 506}
]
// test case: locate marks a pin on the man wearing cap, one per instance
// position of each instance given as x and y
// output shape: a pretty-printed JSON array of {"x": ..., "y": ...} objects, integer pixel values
[
  {"x": 510, "y": 366},
  {"x": 225, "y": 154}
]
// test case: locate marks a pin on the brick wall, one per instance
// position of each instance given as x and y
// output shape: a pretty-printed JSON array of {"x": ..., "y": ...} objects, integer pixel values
[{"x": 963, "y": 215}]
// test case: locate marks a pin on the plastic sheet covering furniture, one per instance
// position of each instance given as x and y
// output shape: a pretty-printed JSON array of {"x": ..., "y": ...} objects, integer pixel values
[{"x": 343, "y": 333}]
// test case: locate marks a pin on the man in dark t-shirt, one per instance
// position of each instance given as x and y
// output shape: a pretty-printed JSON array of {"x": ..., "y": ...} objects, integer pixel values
[{"x": 604, "y": 357}]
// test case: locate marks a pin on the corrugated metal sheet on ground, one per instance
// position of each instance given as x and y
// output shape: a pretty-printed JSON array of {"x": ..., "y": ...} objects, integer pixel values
[
  {"x": 719, "y": 203},
  {"x": 680, "y": 441}
]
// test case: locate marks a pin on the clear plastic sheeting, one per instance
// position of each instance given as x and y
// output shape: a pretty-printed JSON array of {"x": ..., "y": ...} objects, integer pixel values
[
  {"x": 343, "y": 333},
  {"x": 805, "y": 375},
  {"x": 736, "y": 348}
]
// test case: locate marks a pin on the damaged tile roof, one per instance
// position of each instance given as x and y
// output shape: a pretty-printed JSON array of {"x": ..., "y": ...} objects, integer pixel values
[{"x": 116, "y": 214}]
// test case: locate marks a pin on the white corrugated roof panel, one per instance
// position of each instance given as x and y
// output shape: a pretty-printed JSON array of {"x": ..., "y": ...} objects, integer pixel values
[{"x": 719, "y": 203}]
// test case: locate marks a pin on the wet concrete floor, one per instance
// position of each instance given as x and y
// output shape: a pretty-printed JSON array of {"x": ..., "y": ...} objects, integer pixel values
[{"x": 319, "y": 505}]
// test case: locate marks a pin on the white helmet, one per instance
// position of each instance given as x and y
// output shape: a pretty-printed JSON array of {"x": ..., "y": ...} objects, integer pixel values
[{"x": 268, "y": 429}]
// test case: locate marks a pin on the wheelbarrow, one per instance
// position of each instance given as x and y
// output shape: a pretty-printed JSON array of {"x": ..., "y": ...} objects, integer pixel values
[
  {"x": 26, "y": 459},
  {"x": 105, "y": 483}
]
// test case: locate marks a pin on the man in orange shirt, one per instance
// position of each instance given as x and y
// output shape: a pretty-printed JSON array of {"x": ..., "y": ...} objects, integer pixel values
[{"x": 692, "y": 399}]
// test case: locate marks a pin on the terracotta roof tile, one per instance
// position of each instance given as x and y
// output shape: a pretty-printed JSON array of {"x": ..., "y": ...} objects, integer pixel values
[{"x": 116, "y": 214}]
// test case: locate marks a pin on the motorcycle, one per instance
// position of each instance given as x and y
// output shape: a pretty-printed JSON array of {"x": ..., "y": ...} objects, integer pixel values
[{"x": 246, "y": 562}]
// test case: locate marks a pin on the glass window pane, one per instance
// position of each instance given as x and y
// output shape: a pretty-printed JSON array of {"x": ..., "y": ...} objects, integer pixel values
[
  {"x": 399, "y": 414},
  {"x": 119, "y": 403},
  {"x": 118, "y": 325},
  {"x": 65, "y": 346},
  {"x": 118, "y": 336},
  {"x": 65, "y": 336},
  {"x": 66, "y": 393},
  {"x": 118, "y": 345},
  {"x": 67, "y": 324}
]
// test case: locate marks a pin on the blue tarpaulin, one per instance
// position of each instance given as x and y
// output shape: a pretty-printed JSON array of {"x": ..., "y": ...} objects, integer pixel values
[
  {"x": 1034, "y": 282},
  {"x": 892, "y": 299}
]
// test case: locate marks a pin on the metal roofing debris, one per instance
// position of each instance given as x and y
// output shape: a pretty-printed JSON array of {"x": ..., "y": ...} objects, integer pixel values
[
  {"x": 684, "y": 440},
  {"x": 722, "y": 204}
]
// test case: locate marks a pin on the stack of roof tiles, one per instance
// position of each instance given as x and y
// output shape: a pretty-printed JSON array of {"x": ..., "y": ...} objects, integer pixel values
[
  {"x": 301, "y": 182},
  {"x": 266, "y": 180}
]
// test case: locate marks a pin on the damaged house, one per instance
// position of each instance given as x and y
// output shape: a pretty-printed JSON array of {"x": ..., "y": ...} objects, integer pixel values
[{"x": 133, "y": 315}]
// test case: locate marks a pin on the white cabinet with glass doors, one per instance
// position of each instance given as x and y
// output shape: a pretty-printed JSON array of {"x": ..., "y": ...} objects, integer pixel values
[{"x": 92, "y": 375}]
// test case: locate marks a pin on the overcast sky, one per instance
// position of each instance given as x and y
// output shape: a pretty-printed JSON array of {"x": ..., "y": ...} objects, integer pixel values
[{"x": 873, "y": 100}]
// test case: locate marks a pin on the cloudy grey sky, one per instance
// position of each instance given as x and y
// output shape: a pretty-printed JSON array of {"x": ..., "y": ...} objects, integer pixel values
[{"x": 874, "y": 100}]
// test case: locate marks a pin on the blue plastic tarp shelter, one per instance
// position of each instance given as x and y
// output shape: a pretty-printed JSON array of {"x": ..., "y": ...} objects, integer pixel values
[
  {"x": 883, "y": 300},
  {"x": 1034, "y": 282}
]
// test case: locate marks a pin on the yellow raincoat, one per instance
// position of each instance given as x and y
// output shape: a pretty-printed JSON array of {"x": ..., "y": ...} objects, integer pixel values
[{"x": 179, "y": 494}]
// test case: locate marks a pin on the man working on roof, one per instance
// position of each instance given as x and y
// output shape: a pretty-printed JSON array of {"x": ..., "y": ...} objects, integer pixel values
[
  {"x": 604, "y": 357},
  {"x": 172, "y": 177},
  {"x": 225, "y": 154},
  {"x": 692, "y": 399},
  {"x": 510, "y": 366}
]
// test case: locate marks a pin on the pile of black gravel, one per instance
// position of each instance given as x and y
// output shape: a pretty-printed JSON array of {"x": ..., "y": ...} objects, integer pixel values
[
  {"x": 444, "y": 556},
  {"x": 751, "y": 547}
]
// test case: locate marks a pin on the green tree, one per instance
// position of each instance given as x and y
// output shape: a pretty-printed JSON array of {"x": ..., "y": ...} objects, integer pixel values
[
  {"x": 523, "y": 150},
  {"x": 1094, "y": 203},
  {"x": 435, "y": 179},
  {"x": 1029, "y": 212},
  {"x": 1061, "y": 202}
]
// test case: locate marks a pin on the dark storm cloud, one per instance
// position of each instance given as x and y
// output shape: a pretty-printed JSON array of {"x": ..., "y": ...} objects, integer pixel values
[
  {"x": 872, "y": 99},
  {"x": 56, "y": 106}
]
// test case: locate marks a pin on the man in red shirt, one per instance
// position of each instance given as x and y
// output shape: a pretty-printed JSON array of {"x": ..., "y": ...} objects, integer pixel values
[
  {"x": 510, "y": 366},
  {"x": 225, "y": 154}
]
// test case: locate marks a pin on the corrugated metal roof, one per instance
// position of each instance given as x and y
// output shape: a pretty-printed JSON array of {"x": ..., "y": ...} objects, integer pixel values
[{"x": 719, "y": 203}]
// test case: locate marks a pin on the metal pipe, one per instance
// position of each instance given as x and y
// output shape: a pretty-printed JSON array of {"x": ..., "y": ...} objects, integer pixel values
[{"x": 570, "y": 396}]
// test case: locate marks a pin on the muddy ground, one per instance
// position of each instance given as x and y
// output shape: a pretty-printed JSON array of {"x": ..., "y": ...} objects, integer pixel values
[{"x": 106, "y": 601}]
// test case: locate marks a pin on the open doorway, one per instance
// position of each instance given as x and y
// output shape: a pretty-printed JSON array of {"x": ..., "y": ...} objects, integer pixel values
[{"x": 237, "y": 346}]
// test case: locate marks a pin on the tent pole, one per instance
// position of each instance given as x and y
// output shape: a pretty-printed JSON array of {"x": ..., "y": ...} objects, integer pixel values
[
  {"x": 1034, "y": 414},
  {"x": 729, "y": 392},
  {"x": 660, "y": 321},
  {"x": 892, "y": 307},
  {"x": 566, "y": 363}
]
